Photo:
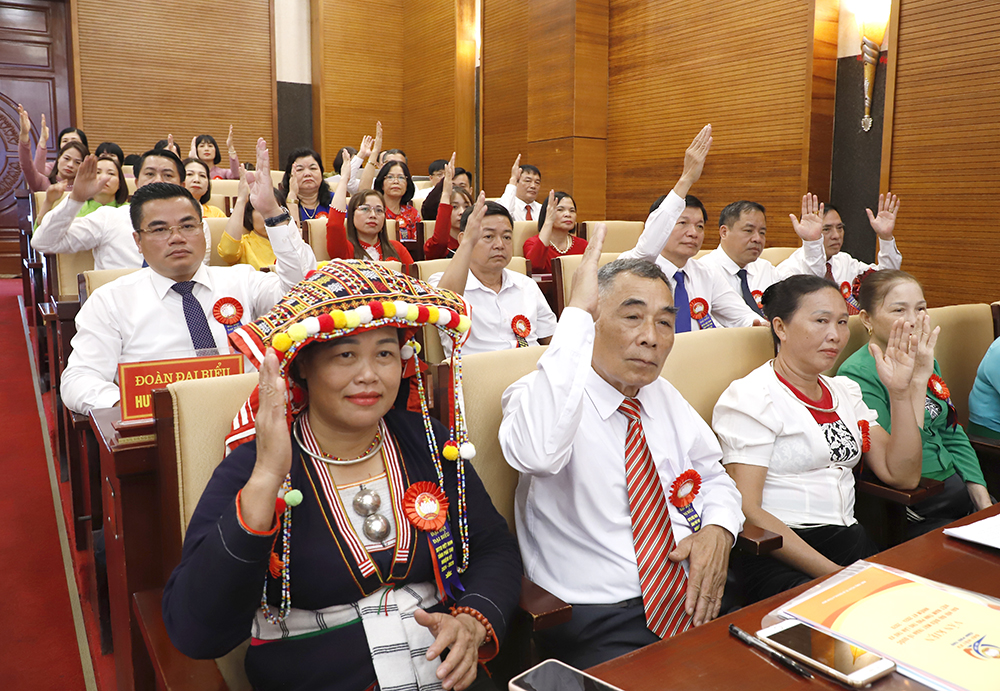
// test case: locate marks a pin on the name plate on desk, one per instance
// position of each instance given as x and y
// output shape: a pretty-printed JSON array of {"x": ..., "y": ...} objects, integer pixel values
[{"x": 136, "y": 380}]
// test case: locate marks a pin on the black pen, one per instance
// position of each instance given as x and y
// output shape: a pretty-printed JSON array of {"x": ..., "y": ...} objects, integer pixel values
[{"x": 765, "y": 648}]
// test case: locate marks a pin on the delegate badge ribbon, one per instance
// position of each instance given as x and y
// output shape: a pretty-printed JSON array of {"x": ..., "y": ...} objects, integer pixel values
[
  {"x": 699, "y": 312},
  {"x": 682, "y": 493},
  {"x": 852, "y": 303},
  {"x": 521, "y": 327},
  {"x": 426, "y": 507}
]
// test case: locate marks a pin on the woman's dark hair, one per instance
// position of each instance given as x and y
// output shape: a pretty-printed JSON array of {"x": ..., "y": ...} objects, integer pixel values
[
  {"x": 325, "y": 195},
  {"x": 559, "y": 196},
  {"x": 211, "y": 140},
  {"x": 248, "y": 210},
  {"x": 469, "y": 201},
  {"x": 388, "y": 251},
  {"x": 876, "y": 285},
  {"x": 208, "y": 174},
  {"x": 782, "y": 299},
  {"x": 121, "y": 196},
  {"x": 113, "y": 149},
  {"x": 72, "y": 144},
  {"x": 411, "y": 189},
  {"x": 338, "y": 160},
  {"x": 83, "y": 137}
]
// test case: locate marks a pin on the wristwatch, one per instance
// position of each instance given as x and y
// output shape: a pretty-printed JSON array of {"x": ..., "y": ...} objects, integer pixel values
[{"x": 281, "y": 219}]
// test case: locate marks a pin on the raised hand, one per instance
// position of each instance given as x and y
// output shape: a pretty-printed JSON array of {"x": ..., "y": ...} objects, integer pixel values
[
  {"x": 229, "y": 140},
  {"x": 88, "y": 182},
  {"x": 365, "y": 150},
  {"x": 193, "y": 153},
  {"x": 345, "y": 168},
  {"x": 377, "y": 145},
  {"x": 25, "y": 135},
  {"x": 43, "y": 135},
  {"x": 811, "y": 225},
  {"x": 55, "y": 192},
  {"x": 924, "y": 342},
  {"x": 243, "y": 189},
  {"x": 694, "y": 161},
  {"x": 259, "y": 180},
  {"x": 170, "y": 143},
  {"x": 473, "y": 232},
  {"x": 895, "y": 365},
  {"x": 449, "y": 177},
  {"x": 585, "y": 277},
  {"x": 461, "y": 635},
  {"x": 515, "y": 170},
  {"x": 884, "y": 223}
]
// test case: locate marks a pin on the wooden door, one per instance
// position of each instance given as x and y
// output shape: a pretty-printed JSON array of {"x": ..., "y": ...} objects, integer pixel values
[{"x": 34, "y": 71}]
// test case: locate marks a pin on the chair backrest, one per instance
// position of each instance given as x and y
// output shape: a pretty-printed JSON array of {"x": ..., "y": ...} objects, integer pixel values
[
  {"x": 433, "y": 353},
  {"x": 563, "y": 269},
  {"x": 221, "y": 202},
  {"x": 485, "y": 376},
  {"x": 966, "y": 335},
  {"x": 703, "y": 363},
  {"x": 522, "y": 231},
  {"x": 858, "y": 339},
  {"x": 68, "y": 270},
  {"x": 277, "y": 176},
  {"x": 89, "y": 281},
  {"x": 702, "y": 253},
  {"x": 130, "y": 184},
  {"x": 216, "y": 229},
  {"x": 776, "y": 255},
  {"x": 621, "y": 237},
  {"x": 225, "y": 188}
]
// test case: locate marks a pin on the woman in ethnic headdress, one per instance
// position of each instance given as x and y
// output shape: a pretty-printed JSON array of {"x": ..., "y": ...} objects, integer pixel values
[{"x": 352, "y": 541}]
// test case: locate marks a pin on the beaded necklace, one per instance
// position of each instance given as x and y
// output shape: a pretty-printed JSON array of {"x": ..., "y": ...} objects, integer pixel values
[
  {"x": 281, "y": 564},
  {"x": 569, "y": 245}
]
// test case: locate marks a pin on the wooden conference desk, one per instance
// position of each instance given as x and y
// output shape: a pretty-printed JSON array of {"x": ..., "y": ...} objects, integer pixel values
[{"x": 708, "y": 658}]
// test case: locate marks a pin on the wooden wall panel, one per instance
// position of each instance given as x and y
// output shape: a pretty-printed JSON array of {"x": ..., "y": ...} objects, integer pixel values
[
  {"x": 357, "y": 73},
  {"x": 824, "y": 92},
  {"x": 146, "y": 69},
  {"x": 945, "y": 148},
  {"x": 506, "y": 32},
  {"x": 674, "y": 67}
]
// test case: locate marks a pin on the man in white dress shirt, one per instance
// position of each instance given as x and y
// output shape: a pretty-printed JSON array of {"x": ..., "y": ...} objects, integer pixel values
[
  {"x": 742, "y": 230},
  {"x": 107, "y": 230},
  {"x": 519, "y": 195},
  {"x": 494, "y": 293},
  {"x": 840, "y": 267},
  {"x": 563, "y": 429},
  {"x": 674, "y": 233},
  {"x": 177, "y": 307}
]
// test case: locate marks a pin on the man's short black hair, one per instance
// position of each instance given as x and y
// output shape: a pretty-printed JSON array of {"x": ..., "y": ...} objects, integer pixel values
[
  {"x": 689, "y": 201},
  {"x": 492, "y": 209},
  {"x": 154, "y": 191},
  {"x": 462, "y": 171},
  {"x": 395, "y": 151},
  {"x": 732, "y": 212},
  {"x": 531, "y": 169},
  {"x": 161, "y": 153},
  {"x": 436, "y": 166},
  {"x": 113, "y": 149}
]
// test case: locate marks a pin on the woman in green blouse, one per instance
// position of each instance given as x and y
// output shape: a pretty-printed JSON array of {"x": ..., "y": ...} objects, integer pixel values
[{"x": 885, "y": 296}]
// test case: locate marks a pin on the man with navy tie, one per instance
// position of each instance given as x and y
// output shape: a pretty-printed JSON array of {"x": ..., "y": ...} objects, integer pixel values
[{"x": 177, "y": 306}]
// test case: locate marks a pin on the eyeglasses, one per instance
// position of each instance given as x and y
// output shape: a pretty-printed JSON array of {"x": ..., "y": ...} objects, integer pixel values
[
  {"x": 365, "y": 208},
  {"x": 395, "y": 178},
  {"x": 185, "y": 230}
]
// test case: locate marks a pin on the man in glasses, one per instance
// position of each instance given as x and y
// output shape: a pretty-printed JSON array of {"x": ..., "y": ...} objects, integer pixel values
[{"x": 177, "y": 306}]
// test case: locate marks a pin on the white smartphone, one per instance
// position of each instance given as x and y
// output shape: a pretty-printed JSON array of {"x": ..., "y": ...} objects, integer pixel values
[
  {"x": 554, "y": 675},
  {"x": 844, "y": 662}
]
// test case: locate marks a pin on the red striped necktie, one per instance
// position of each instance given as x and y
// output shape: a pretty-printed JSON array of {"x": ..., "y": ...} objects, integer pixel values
[{"x": 663, "y": 582}]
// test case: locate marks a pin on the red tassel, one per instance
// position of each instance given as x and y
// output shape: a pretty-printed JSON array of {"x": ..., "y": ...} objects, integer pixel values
[{"x": 276, "y": 565}]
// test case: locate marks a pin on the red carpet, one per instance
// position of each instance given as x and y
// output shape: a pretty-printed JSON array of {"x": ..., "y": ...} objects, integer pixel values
[{"x": 37, "y": 635}]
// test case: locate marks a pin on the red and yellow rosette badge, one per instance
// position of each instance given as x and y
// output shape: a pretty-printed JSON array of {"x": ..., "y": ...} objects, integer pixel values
[
  {"x": 940, "y": 390},
  {"x": 522, "y": 329},
  {"x": 699, "y": 312},
  {"x": 757, "y": 296},
  {"x": 425, "y": 505},
  {"x": 852, "y": 304},
  {"x": 682, "y": 493},
  {"x": 228, "y": 312}
]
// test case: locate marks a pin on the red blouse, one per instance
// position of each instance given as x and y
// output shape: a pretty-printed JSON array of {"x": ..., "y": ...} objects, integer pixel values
[
  {"x": 406, "y": 221},
  {"x": 340, "y": 247},
  {"x": 541, "y": 256},
  {"x": 441, "y": 244}
]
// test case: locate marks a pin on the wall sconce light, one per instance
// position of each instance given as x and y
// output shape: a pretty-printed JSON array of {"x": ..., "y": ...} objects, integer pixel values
[{"x": 873, "y": 18}]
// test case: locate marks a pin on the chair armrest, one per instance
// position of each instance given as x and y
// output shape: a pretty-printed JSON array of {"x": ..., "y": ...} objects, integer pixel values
[
  {"x": 988, "y": 452},
  {"x": 544, "y": 608},
  {"x": 907, "y": 497},
  {"x": 174, "y": 670},
  {"x": 757, "y": 541}
]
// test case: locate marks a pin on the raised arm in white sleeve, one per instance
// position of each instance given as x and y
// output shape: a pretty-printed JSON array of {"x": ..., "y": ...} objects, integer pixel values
[{"x": 659, "y": 225}]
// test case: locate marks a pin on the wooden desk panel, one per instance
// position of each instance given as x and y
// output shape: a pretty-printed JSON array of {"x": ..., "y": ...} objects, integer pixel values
[{"x": 708, "y": 658}]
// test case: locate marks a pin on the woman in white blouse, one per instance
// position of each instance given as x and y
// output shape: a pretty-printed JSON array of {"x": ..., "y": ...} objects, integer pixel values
[{"x": 791, "y": 437}]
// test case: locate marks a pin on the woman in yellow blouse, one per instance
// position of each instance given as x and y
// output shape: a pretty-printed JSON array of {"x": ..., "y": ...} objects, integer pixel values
[
  {"x": 199, "y": 184},
  {"x": 245, "y": 240}
]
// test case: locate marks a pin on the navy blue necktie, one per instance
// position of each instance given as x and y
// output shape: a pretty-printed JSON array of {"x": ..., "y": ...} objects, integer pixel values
[
  {"x": 683, "y": 305},
  {"x": 747, "y": 295},
  {"x": 194, "y": 315}
]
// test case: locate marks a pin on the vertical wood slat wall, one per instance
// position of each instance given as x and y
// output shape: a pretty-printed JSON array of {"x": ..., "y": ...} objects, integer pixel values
[
  {"x": 746, "y": 70},
  {"x": 146, "y": 70},
  {"x": 409, "y": 64},
  {"x": 945, "y": 147}
]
